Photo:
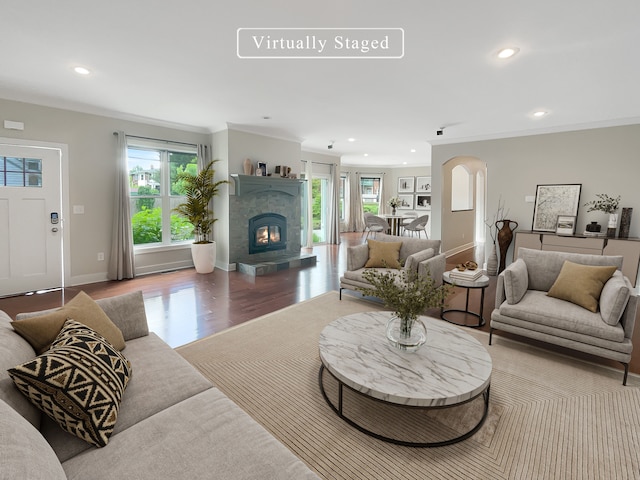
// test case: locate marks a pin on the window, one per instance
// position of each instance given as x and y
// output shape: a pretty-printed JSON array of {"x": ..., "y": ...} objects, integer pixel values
[
  {"x": 370, "y": 188},
  {"x": 341, "y": 206},
  {"x": 20, "y": 172},
  {"x": 154, "y": 191}
]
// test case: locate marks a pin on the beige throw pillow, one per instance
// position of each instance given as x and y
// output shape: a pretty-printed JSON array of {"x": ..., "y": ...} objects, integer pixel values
[
  {"x": 383, "y": 254},
  {"x": 41, "y": 331},
  {"x": 581, "y": 284}
]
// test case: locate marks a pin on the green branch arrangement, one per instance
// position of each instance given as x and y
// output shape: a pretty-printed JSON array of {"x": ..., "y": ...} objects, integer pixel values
[{"x": 605, "y": 204}]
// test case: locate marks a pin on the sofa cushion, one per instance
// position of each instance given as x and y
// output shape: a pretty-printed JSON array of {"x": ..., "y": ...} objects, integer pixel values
[
  {"x": 516, "y": 281},
  {"x": 383, "y": 254},
  {"x": 581, "y": 284},
  {"x": 614, "y": 298},
  {"x": 78, "y": 382},
  {"x": 162, "y": 379},
  {"x": 25, "y": 453},
  {"x": 538, "y": 308},
  {"x": 205, "y": 436},
  {"x": 41, "y": 330},
  {"x": 412, "y": 262}
]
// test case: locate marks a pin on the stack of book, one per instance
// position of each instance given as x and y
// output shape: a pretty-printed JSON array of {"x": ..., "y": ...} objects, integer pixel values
[{"x": 468, "y": 275}]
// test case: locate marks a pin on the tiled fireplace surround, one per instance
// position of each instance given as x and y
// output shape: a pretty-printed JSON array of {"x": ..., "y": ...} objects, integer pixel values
[{"x": 257, "y": 195}]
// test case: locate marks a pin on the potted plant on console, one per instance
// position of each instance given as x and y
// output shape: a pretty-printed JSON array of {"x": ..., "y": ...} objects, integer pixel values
[
  {"x": 609, "y": 205},
  {"x": 200, "y": 189}
]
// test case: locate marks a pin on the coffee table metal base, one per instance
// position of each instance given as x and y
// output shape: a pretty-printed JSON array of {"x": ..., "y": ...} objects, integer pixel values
[{"x": 339, "y": 411}]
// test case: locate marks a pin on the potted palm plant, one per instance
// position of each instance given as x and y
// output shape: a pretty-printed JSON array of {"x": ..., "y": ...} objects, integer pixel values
[{"x": 199, "y": 190}]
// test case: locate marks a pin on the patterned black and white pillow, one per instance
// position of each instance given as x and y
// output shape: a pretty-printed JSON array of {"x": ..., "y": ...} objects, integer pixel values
[{"x": 78, "y": 382}]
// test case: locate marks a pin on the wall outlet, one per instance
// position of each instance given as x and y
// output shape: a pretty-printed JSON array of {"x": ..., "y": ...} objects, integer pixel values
[{"x": 101, "y": 256}]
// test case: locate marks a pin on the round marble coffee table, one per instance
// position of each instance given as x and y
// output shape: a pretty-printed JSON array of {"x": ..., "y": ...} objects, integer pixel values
[{"x": 450, "y": 369}]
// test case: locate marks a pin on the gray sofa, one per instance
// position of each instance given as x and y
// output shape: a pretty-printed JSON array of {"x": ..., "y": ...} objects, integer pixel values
[
  {"x": 173, "y": 423},
  {"x": 422, "y": 255},
  {"x": 523, "y": 307}
]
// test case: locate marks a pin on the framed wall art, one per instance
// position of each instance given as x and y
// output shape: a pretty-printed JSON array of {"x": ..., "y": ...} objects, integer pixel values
[
  {"x": 406, "y": 202},
  {"x": 405, "y": 184},
  {"x": 423, "y": 184},
  {"x": 423, "y": 201},
  {"x": 552, "y": 201},
  {"x": 566, "y": 225}
]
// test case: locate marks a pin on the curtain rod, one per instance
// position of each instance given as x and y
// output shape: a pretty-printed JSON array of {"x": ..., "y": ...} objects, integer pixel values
[
  {"x": 370, "y": 173},
  {"x": 320, "y": 163},
  {"x": 158, "y": 140}
]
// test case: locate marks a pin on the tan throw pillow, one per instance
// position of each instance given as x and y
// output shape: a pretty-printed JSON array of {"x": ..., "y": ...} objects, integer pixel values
[
  {"x": 581, "y": 284},
  {"x": 41, "y": 331},
  {"x": 383, "y": 254},
  {"x": 78, "y": 382}
]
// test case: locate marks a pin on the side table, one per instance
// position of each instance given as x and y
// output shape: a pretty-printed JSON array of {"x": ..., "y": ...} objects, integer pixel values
[{"x": 482, "y": 283}]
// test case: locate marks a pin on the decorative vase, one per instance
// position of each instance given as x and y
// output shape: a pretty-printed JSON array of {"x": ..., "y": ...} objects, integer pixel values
[
  {"x": 492, "y": 261},
  {"x": 613, "y": 224},
  {"x": 505, "y": 236},
  {"x": 625, "y": 222},
  {"x": 248, "y": 167},
  {"x": 393, "y": 211},
  {"x": 406, "y": 335}
]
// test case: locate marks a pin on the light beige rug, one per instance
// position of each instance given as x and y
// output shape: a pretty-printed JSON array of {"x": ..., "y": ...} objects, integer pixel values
[{"x": 550, "y": 416}]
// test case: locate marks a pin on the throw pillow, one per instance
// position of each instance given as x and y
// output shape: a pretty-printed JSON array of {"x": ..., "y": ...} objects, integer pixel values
[
  {"x": 412, "y": 262},
  {"x": 383, "y": 254},
  {"x": 516, "y": 281},
  {"x": 41, "y": 330},
  {"x": 78, "y": 382},
  {"x": 581, "y": 284},
  {"x": 613, "y": 299}
]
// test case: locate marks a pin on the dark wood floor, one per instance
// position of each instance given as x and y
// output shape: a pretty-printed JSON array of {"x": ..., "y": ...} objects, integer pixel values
[{"x": 183, "y": 306}]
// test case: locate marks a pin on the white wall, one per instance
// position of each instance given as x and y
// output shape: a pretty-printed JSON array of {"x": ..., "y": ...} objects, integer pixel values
[
  {"x": 91, "y": 175},
  {"x": 604, "y": 160}
]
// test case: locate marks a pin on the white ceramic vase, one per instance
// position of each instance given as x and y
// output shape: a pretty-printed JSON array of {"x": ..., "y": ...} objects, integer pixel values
[
  {"x": 492, "y": 261},
  {"x": 204, "y": 256}
]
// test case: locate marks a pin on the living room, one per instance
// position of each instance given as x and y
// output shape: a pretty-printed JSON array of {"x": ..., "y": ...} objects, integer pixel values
[{"x": 598, "y": 149}]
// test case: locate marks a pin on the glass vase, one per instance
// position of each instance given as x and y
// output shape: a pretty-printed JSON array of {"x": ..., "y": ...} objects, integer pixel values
[{"x": 406, "y": 335}]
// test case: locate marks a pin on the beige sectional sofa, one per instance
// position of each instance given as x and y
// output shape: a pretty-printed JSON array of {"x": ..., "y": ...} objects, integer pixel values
[
  {"x": 421, "y": 255},
  {"x": 172, "y": 423},
  {"x": 523, "y": 306}
]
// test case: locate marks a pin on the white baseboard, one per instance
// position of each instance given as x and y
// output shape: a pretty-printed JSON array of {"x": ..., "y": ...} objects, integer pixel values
[{"x": 460, "y": 249}]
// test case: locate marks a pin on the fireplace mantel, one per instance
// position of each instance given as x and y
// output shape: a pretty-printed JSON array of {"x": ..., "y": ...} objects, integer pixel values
[{"x": 250, "y": 184}]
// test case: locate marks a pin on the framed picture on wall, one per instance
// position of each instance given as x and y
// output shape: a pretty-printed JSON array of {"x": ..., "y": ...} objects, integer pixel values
[
  {"x": 423, "y": 201},
  {"x": 554, "y": 200},
  {"x": 406, "y": 202},
  {"x": 423, "y": 184},
  {"x": 405, "y": 184},
  {"x": 566, "y": 225}
]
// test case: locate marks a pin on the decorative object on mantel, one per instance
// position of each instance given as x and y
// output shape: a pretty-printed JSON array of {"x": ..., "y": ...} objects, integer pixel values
[
  {"x": 609, "y": 205},
  {"x": 492, "y": 260},
  {"x": 394, "y": 202},
  {"x": 263, "y": 168},
  {"x": 593, "y": 229},
  {"x": 199, "y": 190},
  {"x": 625, "y": 222},
  {"x": 248, "y": 166},
  {"x": 408, "y": 294}
]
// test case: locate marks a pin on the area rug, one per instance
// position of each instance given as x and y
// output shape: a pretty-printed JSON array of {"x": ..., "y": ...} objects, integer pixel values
[{"x": 550, "y": 416}]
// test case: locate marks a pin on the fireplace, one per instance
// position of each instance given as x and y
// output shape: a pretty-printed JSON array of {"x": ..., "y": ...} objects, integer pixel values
[{"x": 267, "y": 233}]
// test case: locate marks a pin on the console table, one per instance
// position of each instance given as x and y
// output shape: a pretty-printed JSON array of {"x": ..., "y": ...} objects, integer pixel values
[{"x": 629, "y": 248}]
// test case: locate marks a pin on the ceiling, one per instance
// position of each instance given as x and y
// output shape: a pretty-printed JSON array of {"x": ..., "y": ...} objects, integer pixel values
[{"x": 176, "y": 63}]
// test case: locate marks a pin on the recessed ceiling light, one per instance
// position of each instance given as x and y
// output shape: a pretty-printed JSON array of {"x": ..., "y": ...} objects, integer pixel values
[
  {"x": 539, "y": 113},
  {"x": 508, "y": 52},
  {"x": 351, "y": 139},
  {"x": 81, "y": 71},
  {"x": 413, "y": 150},
  {"x": 404, "y": 163},
  {"x": 366, "y": 154}
]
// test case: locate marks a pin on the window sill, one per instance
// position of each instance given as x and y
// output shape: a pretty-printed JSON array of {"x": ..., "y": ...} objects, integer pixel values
[{"x": 142, "y": 250}]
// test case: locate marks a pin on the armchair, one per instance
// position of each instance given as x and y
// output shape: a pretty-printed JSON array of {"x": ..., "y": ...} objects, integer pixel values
[{"x": 423, "y": 256}]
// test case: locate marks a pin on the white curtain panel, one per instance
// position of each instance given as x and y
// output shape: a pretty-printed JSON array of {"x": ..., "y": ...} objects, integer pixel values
[
  {"x": 355, "y": 213},
  {"x": 121, "y": 260},
  {"x": 309, "y": 226},
  {"x": 334, "y": 206},
  {"x": 384, "y": 208}
]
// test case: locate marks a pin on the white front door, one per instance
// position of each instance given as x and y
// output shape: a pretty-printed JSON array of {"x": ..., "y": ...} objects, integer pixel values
[{"x": 30, "y": 219}]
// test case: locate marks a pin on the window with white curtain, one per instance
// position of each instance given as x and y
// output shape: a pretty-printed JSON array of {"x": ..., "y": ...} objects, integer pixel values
[
  {"x": 154, "y": 191},
  {"x": 370, "y": 187}
]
